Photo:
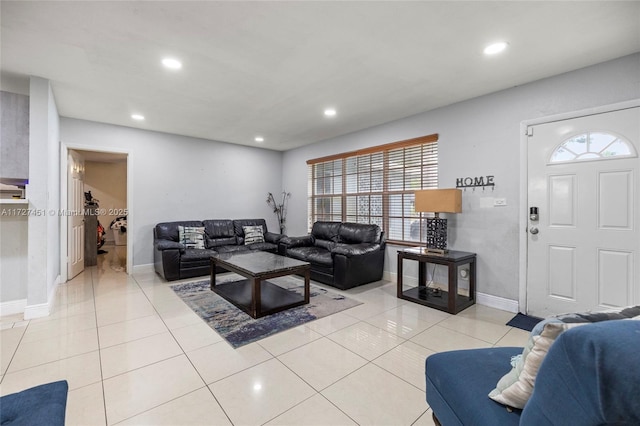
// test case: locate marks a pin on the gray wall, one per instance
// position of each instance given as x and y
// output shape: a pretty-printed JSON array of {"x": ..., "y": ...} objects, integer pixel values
[
  {"x": 14, "y": 137},
  {"x": 478, "y": 137},
  {"x": 13, "y": 254},
  {"x": 183, "y": 178},
  {"x": 14, "y": 164}
]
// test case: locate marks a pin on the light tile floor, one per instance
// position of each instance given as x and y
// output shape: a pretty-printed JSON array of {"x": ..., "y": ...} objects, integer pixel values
[{"x": 135, "y": 354}]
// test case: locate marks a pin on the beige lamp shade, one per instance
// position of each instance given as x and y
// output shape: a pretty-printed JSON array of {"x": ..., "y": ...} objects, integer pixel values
[{"x": 439, "y": 200}]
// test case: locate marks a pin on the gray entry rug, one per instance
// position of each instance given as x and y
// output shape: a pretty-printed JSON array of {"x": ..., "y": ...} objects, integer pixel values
[{"x": 238, "y": 328}]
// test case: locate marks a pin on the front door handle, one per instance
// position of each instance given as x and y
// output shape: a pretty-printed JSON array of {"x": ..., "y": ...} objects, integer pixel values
[{"x": 533, "y": 230}]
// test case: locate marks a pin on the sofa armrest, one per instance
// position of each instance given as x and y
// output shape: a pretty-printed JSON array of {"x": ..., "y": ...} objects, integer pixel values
[
  {"x": 272, "y": 237},
  {"x": 167, "y": 244},
  {"x": 291, "y": 242},
  {"x": 350, "y": 250},
  {"x": 166, "y": 258}
]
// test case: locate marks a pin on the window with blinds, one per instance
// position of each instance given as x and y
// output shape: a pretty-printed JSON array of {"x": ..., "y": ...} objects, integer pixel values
[{"x": 375, "y": 185}]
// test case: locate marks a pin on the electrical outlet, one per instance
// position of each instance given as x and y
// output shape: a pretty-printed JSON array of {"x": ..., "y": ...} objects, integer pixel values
[
  {"x": 464, "y": 273},
  {"x": 499, "y": 202}
]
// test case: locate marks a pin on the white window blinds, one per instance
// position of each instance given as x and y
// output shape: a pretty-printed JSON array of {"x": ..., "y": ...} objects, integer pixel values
[{"x": 375, "y": 185}]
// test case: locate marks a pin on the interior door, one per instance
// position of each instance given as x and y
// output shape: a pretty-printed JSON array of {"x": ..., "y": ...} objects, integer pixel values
[
  {"x": 75, "y": 218},
  {"x": 583, "y": 184}
]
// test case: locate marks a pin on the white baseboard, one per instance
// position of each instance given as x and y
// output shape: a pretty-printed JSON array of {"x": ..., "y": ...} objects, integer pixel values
[
  {"x": 43, "y": 309},
  {"x": 141, "y": 269},
  {"x": 497, "y": 302},
  {"x": 13, "y": 307},
  {"x": 37, "y": 311},
  {"x": 484, "y": 299}
]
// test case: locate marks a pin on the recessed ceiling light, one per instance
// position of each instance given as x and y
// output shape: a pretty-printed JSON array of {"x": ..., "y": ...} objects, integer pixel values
[
  {"x": 171, "y": 63},
  {"x": 330, "y": 112},
  {"x": 137, "y": 117},
  {"x": 259, "y": 139},
  {"x": 494, "y": 48}
]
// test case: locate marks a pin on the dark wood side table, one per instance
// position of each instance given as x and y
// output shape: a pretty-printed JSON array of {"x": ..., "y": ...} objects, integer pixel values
[{"x": 449, "y": 301}]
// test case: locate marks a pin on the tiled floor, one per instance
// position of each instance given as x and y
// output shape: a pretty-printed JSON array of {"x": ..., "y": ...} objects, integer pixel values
[{"x": 134, "y": 353}]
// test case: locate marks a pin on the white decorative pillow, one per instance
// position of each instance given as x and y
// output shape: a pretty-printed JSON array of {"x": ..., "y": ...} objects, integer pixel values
[
  {"x": 253, "y": 234},
  {"x": 515, "y": 388},
  {"x": 192, "y": 236}
]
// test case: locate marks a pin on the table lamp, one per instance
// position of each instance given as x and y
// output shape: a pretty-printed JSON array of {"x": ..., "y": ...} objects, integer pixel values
[{"x": 437, "y": 201}]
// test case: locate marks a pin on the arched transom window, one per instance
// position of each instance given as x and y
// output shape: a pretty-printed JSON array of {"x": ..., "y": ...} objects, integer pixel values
[{"x": 592, "y": 146}]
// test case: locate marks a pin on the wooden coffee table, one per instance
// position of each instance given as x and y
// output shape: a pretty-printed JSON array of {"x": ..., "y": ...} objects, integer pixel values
[{"x": 255, "y": 295}]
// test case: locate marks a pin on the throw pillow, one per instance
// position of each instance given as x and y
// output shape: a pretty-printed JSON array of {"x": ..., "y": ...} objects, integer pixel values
[
  {"x": 515, "y": 388},
  {"x": 192, "y": 236},
  {"x": 253, "y": 234}
]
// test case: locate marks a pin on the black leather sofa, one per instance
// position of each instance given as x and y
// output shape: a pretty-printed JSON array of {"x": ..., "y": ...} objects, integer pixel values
[
  {"x": 174, "y": 261},
  {"x": 342, "y": 255}
]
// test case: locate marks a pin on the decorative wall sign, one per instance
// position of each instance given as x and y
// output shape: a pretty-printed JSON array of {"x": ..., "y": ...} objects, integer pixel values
[{"x": 475, "y": 182}]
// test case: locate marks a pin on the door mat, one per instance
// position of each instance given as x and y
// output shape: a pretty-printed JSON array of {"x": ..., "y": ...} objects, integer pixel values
[
  {"x": 239, "y": 328},
  {"x": 524, "y": 322}
]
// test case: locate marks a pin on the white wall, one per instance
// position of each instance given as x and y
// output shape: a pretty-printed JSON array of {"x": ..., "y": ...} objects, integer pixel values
[
  {"x": 53, "y": 188},
  {"x": 108, "y": 184},
  {"x": 478, "y": 137},
  {"x": 43, "y": 248},
  {"x": 183, "y": 178}
]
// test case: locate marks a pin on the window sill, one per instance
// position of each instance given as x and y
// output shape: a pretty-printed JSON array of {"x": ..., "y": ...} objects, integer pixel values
[{"x": 405, "y": 243}]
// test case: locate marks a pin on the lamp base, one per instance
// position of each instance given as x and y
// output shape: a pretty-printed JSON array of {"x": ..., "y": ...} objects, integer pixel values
[{"x": 437, "y": 235}]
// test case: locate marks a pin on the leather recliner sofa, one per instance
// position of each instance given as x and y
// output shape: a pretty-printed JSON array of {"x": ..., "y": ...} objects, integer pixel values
[
  {"x": 342, "y": 255},
  {"x": 174, "y": 261}
]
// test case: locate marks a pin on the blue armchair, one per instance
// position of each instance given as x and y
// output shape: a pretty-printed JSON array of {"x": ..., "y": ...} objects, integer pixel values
[{"x": 590, "y": 376}]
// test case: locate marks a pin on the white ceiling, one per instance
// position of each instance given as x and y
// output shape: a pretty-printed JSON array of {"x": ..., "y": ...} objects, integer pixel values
[{"x": 271, "y": 68}]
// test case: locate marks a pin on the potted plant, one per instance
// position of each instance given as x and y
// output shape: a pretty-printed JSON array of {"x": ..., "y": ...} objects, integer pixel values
[{"x": 280, "y": 209}]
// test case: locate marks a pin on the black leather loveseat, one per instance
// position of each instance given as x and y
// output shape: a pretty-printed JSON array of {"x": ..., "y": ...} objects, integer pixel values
[
  {"x": 343, "y": 255},
  {"x": 174, "y": 260}
]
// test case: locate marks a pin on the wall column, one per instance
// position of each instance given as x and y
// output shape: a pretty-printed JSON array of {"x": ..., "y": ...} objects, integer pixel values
[{"x": 43, "y": 232}]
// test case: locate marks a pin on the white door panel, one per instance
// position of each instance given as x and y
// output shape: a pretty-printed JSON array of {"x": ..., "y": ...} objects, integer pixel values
[
  {"x": 615, "y": 278},
  {"x": 584, "y": 255},
  {"x": 75, "y": 218}
]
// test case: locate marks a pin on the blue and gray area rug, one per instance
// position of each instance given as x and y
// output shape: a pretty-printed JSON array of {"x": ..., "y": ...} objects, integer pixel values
[{"x": 238, "y": 328}]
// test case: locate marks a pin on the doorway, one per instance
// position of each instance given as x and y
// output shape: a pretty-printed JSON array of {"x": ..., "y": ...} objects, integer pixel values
[
  {"x": 105, "y": 181},
  {"x": 105, "y": 192},
  {"x": 583, "y": 237}
]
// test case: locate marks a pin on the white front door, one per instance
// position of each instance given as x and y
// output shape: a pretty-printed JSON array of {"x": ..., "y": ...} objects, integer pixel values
[
  {"x": 75, "y": 218},
  {"x": 584, "y": 179}
]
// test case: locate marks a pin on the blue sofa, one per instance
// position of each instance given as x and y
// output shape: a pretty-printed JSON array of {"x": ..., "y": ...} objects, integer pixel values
[
  {"x": 39, "y": 405},
  {"x": 590, "y": 376}
]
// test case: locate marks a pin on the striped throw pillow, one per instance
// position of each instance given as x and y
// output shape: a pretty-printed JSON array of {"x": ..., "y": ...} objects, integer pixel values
[
  {"x": 192, "y": 236},
  {"x": 253, "y": 234}
]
